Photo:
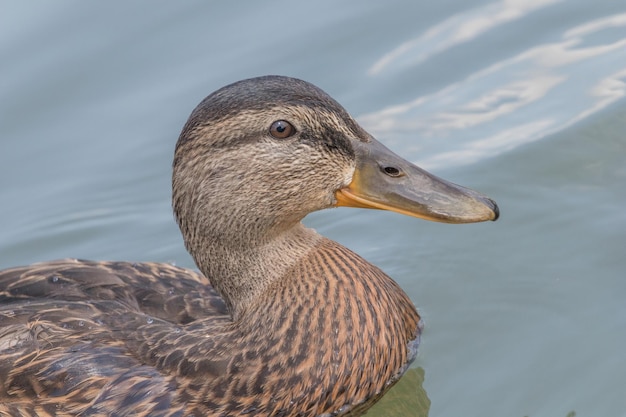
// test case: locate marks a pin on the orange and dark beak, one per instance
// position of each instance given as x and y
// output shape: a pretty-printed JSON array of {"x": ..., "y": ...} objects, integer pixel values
[{"x": 383, "y": 180}]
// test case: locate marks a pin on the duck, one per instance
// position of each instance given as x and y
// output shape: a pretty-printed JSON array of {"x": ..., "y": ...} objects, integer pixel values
[{"x": 277, "y": 320}]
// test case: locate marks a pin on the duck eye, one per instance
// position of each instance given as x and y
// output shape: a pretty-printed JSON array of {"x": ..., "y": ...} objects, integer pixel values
[
  {"x": 282, "y": 129},
  {"x": 392, "y": 171}
]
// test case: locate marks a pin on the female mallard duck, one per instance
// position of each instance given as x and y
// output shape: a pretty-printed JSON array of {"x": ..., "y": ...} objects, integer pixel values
[{"x": 281, "y": 322}]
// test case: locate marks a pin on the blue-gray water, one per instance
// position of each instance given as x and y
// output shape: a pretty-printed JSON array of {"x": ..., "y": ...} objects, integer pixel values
[{"x": 520, "y": 99}]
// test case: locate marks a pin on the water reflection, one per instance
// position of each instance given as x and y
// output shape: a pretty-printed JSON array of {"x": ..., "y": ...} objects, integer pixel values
[
  {"x": 407, "y": 398},
  {"x": 457, "y": 29},
  {"x": 478, "y": 117},
  {"x": 505, "y": 140},
  {"x": 606, "y": 91}
]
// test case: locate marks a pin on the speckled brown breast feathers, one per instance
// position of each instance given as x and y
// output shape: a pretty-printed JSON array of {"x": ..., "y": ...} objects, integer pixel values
[{"x": 162, "y": 333}]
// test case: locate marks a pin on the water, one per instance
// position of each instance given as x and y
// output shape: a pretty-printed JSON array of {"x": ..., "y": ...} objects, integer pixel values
[{"x": 522, "y": 100}]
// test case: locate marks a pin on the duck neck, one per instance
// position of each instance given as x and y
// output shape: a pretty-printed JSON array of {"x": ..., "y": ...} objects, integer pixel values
[{"x": 242, "y": 268}]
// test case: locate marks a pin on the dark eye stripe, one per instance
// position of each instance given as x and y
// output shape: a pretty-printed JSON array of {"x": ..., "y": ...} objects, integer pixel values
[{"x": 282, "y": 129}]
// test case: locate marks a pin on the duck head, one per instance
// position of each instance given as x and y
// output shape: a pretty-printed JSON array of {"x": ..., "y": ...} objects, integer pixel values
[
  {"x": 258, "y": 155},
  {"x": 273, "y": 149}
]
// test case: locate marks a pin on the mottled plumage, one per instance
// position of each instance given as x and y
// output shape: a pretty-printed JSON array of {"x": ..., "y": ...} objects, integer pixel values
[{"x": 281, "y": 321}]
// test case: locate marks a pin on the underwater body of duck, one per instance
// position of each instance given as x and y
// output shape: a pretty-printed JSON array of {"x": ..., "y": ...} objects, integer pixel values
[{"x": 280, "y": 322}]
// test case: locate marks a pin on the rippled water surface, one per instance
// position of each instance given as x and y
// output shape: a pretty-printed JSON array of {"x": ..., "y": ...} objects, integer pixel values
[{"x": 520, "y": 99}]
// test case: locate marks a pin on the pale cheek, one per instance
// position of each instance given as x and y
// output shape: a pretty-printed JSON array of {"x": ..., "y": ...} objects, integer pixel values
[{"x": 347, "y": 179}]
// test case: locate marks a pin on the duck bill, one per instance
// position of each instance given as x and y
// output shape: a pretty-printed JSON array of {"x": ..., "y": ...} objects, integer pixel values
[{"x": 383, "y": 180}]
